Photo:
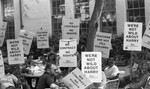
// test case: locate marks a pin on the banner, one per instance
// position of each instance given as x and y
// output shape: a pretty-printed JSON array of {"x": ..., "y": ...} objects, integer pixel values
[
  {"x": 70, "y": 28},
  {"x": 2, "y": 70},
  {"x": 42, "y": 39},
  {"x": 132, "y": 36},
  {"x": 67, "y": 53},
  {"x": 2, "y": 33},
  {"x": 15, "y": 51},
  {"x": 76, "y": 80},
  {"x": 146, "y": 37},
  {"x": 102, "y": 43},
  {"x": 92, "y": 66},
  {"x": 27, "y": 38}
]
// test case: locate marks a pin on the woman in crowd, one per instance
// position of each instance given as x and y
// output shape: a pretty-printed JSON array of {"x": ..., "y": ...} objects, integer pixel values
[
  {"x": 51, "y": 58},
  {"x": 142, "y": 78},
  {"x": 111, "y": 71},
  {"x": 9, "y": 79}
]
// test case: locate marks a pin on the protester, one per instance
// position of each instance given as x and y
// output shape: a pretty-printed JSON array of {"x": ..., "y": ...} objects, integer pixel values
[
  {"x": 142, "y": 78},
  {"x": 9, "y": 79},
  {"x": 51, "y": 58},
  {"x": 48, "y": 77},
  {"x": 111, "y": 71}
]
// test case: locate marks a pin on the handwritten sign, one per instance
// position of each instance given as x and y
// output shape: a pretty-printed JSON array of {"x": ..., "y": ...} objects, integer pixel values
[
  {"x": 102, "y": 43},
  {"x": 2, "y": 72},
  {"x": 42, "y": 39},
  {"x": 76, "y": 80},
  {"x": 70, "y": 28},
  {"x": 15, "y": 51},
  {"x": 2, "y": 33},
  {"x": 27, "y": 38},
  {"x": 132, "y": 36},
  {"x": 67, "y": 51},
  {"x": 146, "y": 37},
  {"x": 92, "y": 66}
]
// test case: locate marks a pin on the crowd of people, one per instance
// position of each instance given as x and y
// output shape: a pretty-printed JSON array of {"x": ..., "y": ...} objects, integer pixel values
[{"x": 52, "y": 75}]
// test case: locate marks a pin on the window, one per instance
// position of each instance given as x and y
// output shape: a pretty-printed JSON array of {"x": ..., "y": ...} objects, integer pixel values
[
  {"x": 108, "y": 17},
  {"x": 82, "y": 12},
  {"x": 136, "y": 11},
  {"x": 58, "y": 12},
  {"x": 8, "y": 16}
]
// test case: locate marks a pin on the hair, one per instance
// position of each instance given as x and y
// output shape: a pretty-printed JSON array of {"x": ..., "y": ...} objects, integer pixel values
[
  {"x": 8, "y": 69},
  {"x": 51, "y": 60},
  {"x": 48, "y": 66},
  {"x": 148, "y": 64}
]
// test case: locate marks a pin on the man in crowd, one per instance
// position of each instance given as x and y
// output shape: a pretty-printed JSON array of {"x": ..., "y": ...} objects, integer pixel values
[{"x": 48, "y": 77}]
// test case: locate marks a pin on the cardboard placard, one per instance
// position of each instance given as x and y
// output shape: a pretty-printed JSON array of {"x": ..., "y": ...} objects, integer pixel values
[
  {"x": 2, "y": 70},
  {"x": 15, "y": 51},
  {"x": 146, "y": 37},
  {"x": 70, "y": 28},
  {"x": 67, "y": 53},
  {"x": 2, "y": 33},
  {"x": 42, "y": 39},
  {"x": 102, "y": 43},
  {"x": 76, "y": 80},
  {"x": 27, "y": 38},
  {"x": 132, "y": 36},
  {"x": 92, "y": 66}
]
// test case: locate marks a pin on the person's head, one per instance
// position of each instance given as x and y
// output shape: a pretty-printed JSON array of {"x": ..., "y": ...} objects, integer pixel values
[
  {"x": 51, "y": 68},
  {"x": 8, "y": 69},
  {"x": 30, "y": 56},
  {"x": 110, "y": 61},
  {"x": 52, "y": 57},
  {"x": 145, "y": 66}
]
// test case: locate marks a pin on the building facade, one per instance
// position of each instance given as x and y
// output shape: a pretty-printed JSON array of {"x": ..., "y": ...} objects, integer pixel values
[{"x": 47, "y": 14}]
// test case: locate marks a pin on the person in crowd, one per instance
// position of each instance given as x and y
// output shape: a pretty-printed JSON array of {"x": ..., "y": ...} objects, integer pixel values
[
  {"x": 48, "y": 77},
  {"x": 142, "y": 78},
  {"x": 9, "y": 79},
  {"x": 111, "y": 71},
  {"x": 29, "y": 59},
  {"x": 51, "y": 58}
]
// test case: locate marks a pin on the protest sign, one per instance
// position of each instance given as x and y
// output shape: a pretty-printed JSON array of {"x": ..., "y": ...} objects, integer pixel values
[
  {"x": 69, "y": 8},
  {"x": 27, "y": 38},
  {"x": 70, "y": 28},
  {"x": 76, "y": 80},
  {"x": 15, "y": 51},
  {"x": 132, "y": 36},
  {"x": 2, "y": 70},
  {"x": 146, "y": 37},
  {"x": 67, "y": 53},
  {"x": 2, "y": 33},
  {"x": 92, "y": 66},
  {"x": 42, "y": 39},
  {"x": 102, "y": 43}
]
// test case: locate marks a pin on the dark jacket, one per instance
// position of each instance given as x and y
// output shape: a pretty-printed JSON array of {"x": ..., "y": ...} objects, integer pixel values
[{"x": 45, "y": 81}]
